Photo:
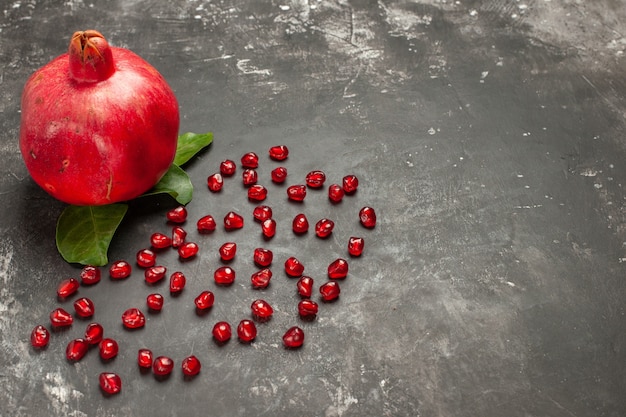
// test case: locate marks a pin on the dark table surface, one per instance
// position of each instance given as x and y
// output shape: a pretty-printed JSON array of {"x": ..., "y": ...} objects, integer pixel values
[{"x": 488, "y": 135}]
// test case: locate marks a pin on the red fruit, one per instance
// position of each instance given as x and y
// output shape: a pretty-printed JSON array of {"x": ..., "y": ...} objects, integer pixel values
[
  {"x": 227, "y": 167},
  {"x": 224, "y": 275},
  {"x": 144, "y": 358},
  {"x": 177, "y": 282},
  {"x": 94, "y": 333},
  {"x": 222, "y": 331},
  {"x": 204, "y": 300},
  {"x": 355, "y": 246},
  {"x": 249, "y": 177},
  {"x": 338, "y": 269},
  {"x": 307, "y": 308},
  {"x": 90, "y": 275},
  {"x": 206, "y": 224},
  {"x": 335, "y": 193},
  {"x": 84, "y": 307},
  {"x": 293, "y": 338},
  {"x": 108, "y": 348},
  {"x": 60, "y": 318},
  {"x": 133, "y": 318},
  {"x": 160, "y": 241},
  {"x": 177, "y": 215},
  {"x": 110, "y": 382},
  {"x": 262, "y": 213},
  {"x": 350, "y": 184},
  {"x": 146, "y": 258},
  {"x": 67, "y": 287},
  {"x": 293, "y": 267},
  {"x": 296, "y": 192},
  {"x": 279, "y": 153},
  {"x": 261, "y": 309},
  {"x": 261, "y": 279},
  {"x": 324, "y": 228},
  {"x": 39, "y": 337},
  {"x": 215, "y": 182},
  {"x": 250, "y": 160},
  {"x": 120, "y": 270},
  {"x": 269, "y": 228},
  {"x": 191, "y": 366},
  {"x": 300, "y": 224},
  {"x": 155, "y": 274},
  {"x": 155, "y": 301},
  {"x": 162, "y": 366},
  {"x": 330, "y": 291},
  {"x": 178, "y": 236},
  {"x": 279, "y": 175},
  {"x": 76, "y": 349},
  {"x": 228, "y": 251},
  {"x": 263, "y": 257},
  {"x": 315, "y": 179},
  {"x": 188, "y": 250},
  {"x": 367, "y": 216},
  {"x": 305, "y": 286},
  {"x": 257, "y": 193},
  {"x": 99, "y": 124},
  {"x": 246, "y": 331},
  {"x": 233, "y": 221}
]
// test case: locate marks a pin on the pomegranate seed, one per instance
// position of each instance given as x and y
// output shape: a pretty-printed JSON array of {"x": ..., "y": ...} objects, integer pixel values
[
  {"x": 307, "y": 308},
  {"x": 222, "y": 331},
  {"x": 224, "y": 275},
  {"x": 279, "y": 175},
  {"x": 177, "y": 215},
  {"x": 263, "y": 257},
  {"x": 228, "y": 251},
  {"x": 215, "y": 182},
  {"x": 120, "y": 270},
  {"x": 178, "y": 236},
  {"x": 108, "y": 348},
  {"x": 160, "y": 241},
  {"x": 296, "y": 192},
  {"x": 67, "y": 287},
  {"x": 206, "y": 224},
  {"x": 246, "y": 331},
  {"x": 60, "y": 318},
  {"x": 367, "y": 216},
  {"x": 144, "y": 358},
  {"x": 350, "y": 184},
  {"x": 177, "y": 282},
  {"x": 39, "y": 337},
  {"x": 305, "y": 286},
  {"x": 155, "y": 301},
  {"x": 315, "y": 179},
  {"x": 146, "y": 258},
  {"x": 279, "y": 153},
  {"x": 162, "y": 366},
  {"x": 133, "y": 318},
  {"x": 188, "y": 250},
  {"x": 250, "y": 160},
  {"x": 90, "y": 275},
  {"x": 191, "y": 366},
  {"x": 300, "y": 224},
  {"x": 261, "y": 309},
  {"x": 233, "y": 221},
  {"x": 293, "y": 338},
  {"x": 330, "y": 291},
  {"x": 335, "y": 193},
  {"x": 261, "y": 279},
  {"x": 155, "y": 274},
  {"x": 84, "y": 307},
  {"x": 257, "y": 193},
  {"x": 293, "y": 267},
  {"x": 324, "y": 228},
  {"x": 249, "y": 177},
  {"x": 110, "y": 382},
  {"x": 204, "y": 300},
  {"x": 94, "y": 333},
  {"x": 269, "y": 228},
  {"x": 355, "y": 246},
  {"x": 262, "y": 213},
  {"x": 76, "y": 349},
  {"x": 338, "y": 269},
  {"x": 227, "y": 167}
]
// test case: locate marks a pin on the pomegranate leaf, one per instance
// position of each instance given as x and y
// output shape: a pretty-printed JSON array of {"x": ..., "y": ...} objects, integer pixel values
[
  {"x": 190, "y": 144},
  {"x": 176, "y": 183},
  {"x": 84, "y": 233}
]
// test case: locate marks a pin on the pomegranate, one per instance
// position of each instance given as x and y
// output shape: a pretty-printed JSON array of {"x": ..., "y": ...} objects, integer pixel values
[{"x": 99, "y": 124}]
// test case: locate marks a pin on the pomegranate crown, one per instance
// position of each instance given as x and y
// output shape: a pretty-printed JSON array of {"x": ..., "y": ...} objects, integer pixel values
[{"x": 90, "y": 56}]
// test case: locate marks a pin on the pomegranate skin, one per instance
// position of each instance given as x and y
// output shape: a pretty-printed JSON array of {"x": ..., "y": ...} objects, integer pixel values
[{"x": 102, "y": 138}]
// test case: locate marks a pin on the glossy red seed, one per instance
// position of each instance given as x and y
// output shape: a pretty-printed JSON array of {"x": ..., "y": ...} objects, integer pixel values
[
  {"x": 160, "y": 241},
  {"x": 228, "y": 251},
  {"x": 324, "y": 228},
  {"x": 146, "y": 258},
  {"x": 335, "y": 193},
  {"x": 144, "y": 358},
  {"x": 155, "y": 301},
  {"x": 296, "y": 192},
  {"x": 338, "y": 269},
  {"x": 60, "y": 318},
  {"x": 177, "y": 282},
  {"x": 262, "y": 213},
  {"x": 228, "y": 167},
  {"x": 222, "y": 331},
  {"x": 155, "y": 274},
  {"x": 261, "y": 309},
  {"x": 269, "y": 228},
  {"x": 293, "y": 267},
  {"x": 120, "y": 270},
  {"x": 76, "y": 349},
  {"x": 215, "y": 182},
  {"x": 133, "y": 318},
  {"x": 250, "y": 160},
  {"x": 110, "y": 383},
  {"x": 84, "y": 307},
  {"x": 90, "y": 275},
  {"x": 177, "y": 215},
  {"x": 93, "y": 333},
  {"x": 263, "y": 257},
  {"x": 162, "y": 366},
  {"x": 279, "y": 153},
  {"x": 279, "y": 175},
  {"x": 330, "y": 290},
  {"x": 261, "y": 279},
  {"x": 367, "y": 216},
  {"x": 355, "y": 246},
  {"x": 188, "y": 250},
  {"x": 178, "y": 236},
  {"x": 108, "y": 348},
  {"x": 204, "y": 300},
  {"x": 293, "y": 338},
  {"x": 233, "y": 221},
  {"x": 305, "y": 286},
  {"x": 39, "y": 337},
  {"x": 67, "y": 287},
  {"x": 206, "y": 224},
  {"x": 307, "y": 308},
  {"x": 257, "y": 193},
  {"x": 191, "y": 366},
  {"x": 315, "y": 179},
  {"x": 249, "y": 177},
  {"x": 224, "y": 275},
  {"x": 300, "y": 224},
  {"x": 246, "y": 331},
  {"x": 350, "y": 184}
]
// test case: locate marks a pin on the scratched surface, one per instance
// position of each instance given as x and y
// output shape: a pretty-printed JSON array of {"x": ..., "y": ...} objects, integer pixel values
[{"x": 490, "y": 138}]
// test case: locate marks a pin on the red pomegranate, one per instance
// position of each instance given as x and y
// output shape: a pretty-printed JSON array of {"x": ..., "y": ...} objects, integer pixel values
[{"x": 99, "y": 124}]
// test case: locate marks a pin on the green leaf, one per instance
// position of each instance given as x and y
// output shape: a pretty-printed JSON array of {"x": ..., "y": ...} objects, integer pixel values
[
  {"x": 190, "y": 144},
  {"x": 84, "y": 233},
  {"x": 176, "y": 183}
]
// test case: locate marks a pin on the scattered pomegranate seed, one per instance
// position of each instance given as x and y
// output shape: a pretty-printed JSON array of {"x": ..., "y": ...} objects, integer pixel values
[
  {"x": 261, "y": 279},
  {"x": 191, "y": 366},
  {"x": 188, "y": 250},
  {"x": 93, "y": 333},
  {"x": 146, "y": 258},
  {"x": 178, "y": 236},
  {"x": 257, "y": 193},
  {"x": 279, "y": 175},
  {"x": 293, "y": 267},
  {"x": 315, "y": 179},
  {"x": 305, "y": 286},
  {"x": 144, "y": 358},
  {"x": 84, "y": 307},
  {"x": 250, "y": 160},
  {"x": 367, "y": 216},
  {"x": 204, "y": 300},
  {"x": 263, "y": 257},
  {"x": 133, "y": 318},
  {"x": 120, "y": 270},
  {"x": 233, "y": 221},
  {"x": 90, "y": 275},
  {"x": 224, "y": 275},
  {"x": 335, "y": 193},
  {"x": 228, "y": 251},
  {"x": 228, "y": 167},
  {"x": 76, "y": 349},
  {"x": 300, "y": 224},
  {"x": 206, "y": 224},
  {"x": 108, "y": 348},
  {"x": 269, "y": 228},
  {"x": 350, "y": 184},
  {"x": 293, "y": 338},
  {"x": 39, "y": 337},
  {"x": 215, "y": 182},
  {"x": 160, "y": 241},
  {"x": 262, "y": 213},
  {"x": 330, "y": 291},
  {"x": 60, "y": 318},
  {"x": 177, "y": 215},
  {"x": 296, "y": 192},
  {"x": 155, "y": 301},
  {"x": 246, "y": 331},
  {"x": 177, "y": 282},
  {"x": 279, "y": 153},
  {"x": 249, "y": 177},
  {"x": 155, "y": 274},
  {"x": 324, "y": 228},
  {"x": 355, "y": 246},
  {"x": 338, "y": 269},
  {"x": 110, "y": 383},
  {"x": 222, "y": 332},
  {"x": 67, "y": 287},
  {"x": 261, "y": 309},
  {"x": 307, "y": 308},
  {"x": 162, "y": 366}
]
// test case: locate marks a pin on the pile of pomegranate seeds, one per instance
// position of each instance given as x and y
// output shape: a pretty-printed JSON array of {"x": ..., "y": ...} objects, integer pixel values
[{"x": 261, "y": 311}]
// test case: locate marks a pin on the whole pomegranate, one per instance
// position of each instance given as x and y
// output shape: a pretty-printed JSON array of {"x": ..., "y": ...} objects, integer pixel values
[{"x": 99, "y": 124}]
